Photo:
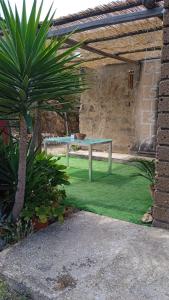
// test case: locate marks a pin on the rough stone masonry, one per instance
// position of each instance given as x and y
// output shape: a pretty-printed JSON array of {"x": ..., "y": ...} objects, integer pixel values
[{"x": 161, "y": 207}]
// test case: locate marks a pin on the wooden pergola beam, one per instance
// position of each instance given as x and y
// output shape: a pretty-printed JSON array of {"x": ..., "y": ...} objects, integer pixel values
[
  {"x": 157, "y": 48},
  {"x": 72, "y": 42},
  {"x": 119, "y": 36},
  {"x": 149, "y": 4},
  {"x": 123, "y": 53},
  {"x": 108, "y": 21},
  {"x": 123, "y": 35},
  {"x": 95, "y": 13},
  {"x": 100, "y": 11}
]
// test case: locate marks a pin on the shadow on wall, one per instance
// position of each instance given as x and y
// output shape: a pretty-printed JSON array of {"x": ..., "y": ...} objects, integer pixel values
[{"x": 145, "y": 147}]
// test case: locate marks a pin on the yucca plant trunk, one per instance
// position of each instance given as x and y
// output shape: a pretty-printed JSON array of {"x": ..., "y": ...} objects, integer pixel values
[
  {"x": 36, "y": 136},
  {"x": 20, "y": 192}
]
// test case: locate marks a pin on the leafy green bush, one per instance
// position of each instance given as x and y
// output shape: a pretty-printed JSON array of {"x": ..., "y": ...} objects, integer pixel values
[
  {"x": 44, "y": 188},
  {"x": 45, "y": 180},
  {"x": 8, "y": 175}
]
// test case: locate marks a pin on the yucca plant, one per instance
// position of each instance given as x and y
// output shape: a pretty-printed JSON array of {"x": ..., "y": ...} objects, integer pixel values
[
  {"x": 146, "y": 169},
  {"x": 33, "y": 75}
]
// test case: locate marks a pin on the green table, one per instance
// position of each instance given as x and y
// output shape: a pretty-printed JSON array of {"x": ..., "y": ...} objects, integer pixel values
[{"x": 85, "y": 143}]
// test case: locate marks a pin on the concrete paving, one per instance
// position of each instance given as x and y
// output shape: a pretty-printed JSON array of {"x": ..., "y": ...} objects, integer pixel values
[
  {"x": 91, "y": 257},
  {"x": 98, "y": 155},
  {"x": 116, "y": 157}
]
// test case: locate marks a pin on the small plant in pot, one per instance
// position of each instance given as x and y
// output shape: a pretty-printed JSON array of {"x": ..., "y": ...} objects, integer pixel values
[{"x": 146, "y": 169}]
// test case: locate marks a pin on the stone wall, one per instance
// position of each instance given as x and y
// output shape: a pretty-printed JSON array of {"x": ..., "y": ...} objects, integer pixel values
[
  {"x": 110, "y": 109},
  {"x": 161, "y": 207},
  {"x": 145, "y": 112}
]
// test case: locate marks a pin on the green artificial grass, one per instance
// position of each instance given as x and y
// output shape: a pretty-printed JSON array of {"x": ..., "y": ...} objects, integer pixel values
[{"x": 119, "y": 195}]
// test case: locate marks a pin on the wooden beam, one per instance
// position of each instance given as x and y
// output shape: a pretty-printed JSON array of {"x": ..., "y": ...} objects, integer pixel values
[
  {"x": 100, "y": 52},
  {"x": 119, "y": 36},
  {"x": 123, "y": 53},
  {"x": 151, "y": 58},
  {"x": 149, "y": 4},
  {"x": 157, "y": 48},
  {"x": 108, "y": 21},
  {"x": 95, "y": 12},
  {"x": 98, "y": 11},
  {"x": 123, "y": 35}
]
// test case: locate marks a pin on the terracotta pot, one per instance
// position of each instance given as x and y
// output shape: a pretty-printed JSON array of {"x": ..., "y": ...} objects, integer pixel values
[
  {"x": 80, "y": 136},
  {"x": 37, "y": 225}
]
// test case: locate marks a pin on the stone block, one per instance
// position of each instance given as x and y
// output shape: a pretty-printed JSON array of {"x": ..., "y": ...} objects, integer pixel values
[
  {"x": 163, "y": 120},
  {"x": 162, "y": 168},
  {"x": 165, "y": 70},
  {"x": 166, "y": 35},
  {"x": 163, "y": 137},
  {"x": 161, "y": 213},
  {"x": 164, "y": 87},
  {"x": 162, "y": 199},
  {"x": 163, "y": 153},
  {"x": 162, "y": 184},
  {"x": 160, "y": 224},
  {"x": 165, "y": 53},
  {"x": 163, "y": 104},
  {"x": 166, "y": 3},
  {"x": 166, "y": 17}
]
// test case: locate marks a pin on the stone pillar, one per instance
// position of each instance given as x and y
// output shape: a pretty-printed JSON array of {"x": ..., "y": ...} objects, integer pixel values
[{"x": 161, "y": 206}]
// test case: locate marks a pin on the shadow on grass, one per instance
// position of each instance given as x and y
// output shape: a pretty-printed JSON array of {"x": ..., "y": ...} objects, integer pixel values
[{"x": 98, "y": 176}]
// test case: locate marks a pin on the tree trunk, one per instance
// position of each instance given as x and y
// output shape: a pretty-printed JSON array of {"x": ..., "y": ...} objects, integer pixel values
[
  {"x": 20, "y": 192},
  {"x": 66, "y": 123},
  {"x": 36, "y": 137}
]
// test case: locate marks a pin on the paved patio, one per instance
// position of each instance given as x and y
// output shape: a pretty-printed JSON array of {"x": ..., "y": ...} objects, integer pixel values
[
  {"x": 98, "y": 155},
  {"x": 91, "y": 257}
]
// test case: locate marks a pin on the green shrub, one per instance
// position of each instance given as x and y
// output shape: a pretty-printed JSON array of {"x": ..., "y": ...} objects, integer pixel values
[
  {"x": 8, "y": 175},
  {"x": 44, "y": 188},
  {"x": 146, "y": 169},
  {"x": 45, "y": 180}
]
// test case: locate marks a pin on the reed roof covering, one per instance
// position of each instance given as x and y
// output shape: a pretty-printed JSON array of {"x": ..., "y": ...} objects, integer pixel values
[{"x": 134, "y": 40}]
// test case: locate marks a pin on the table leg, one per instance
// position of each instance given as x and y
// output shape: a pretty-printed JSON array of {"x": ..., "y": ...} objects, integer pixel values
[
  {"x": 110, "y": 158},
  {"x": 67, "y": 155},
  {"x": 90, "y": 163}
]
